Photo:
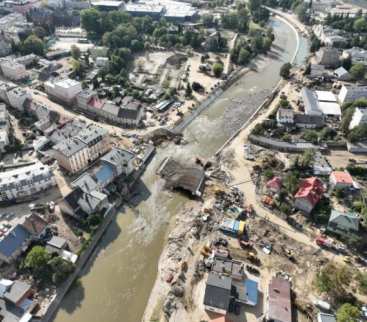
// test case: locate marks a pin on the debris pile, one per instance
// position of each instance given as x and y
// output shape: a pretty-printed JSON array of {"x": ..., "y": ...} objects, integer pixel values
[
  {"x": 158, "y": 136},
  {"x": 225, "y": 200}
]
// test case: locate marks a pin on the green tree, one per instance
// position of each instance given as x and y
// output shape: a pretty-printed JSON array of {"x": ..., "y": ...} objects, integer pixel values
[
  {"x": 360, "y": 25},
  {"x": 362, "y": 282},
  {"x": 358, "y": 133},
  {"x": 358, "y": 71},
  {"x": 333, "y": 280},
  {"x": 244, "y": 56},
  {"x": 348, "y": 313},
  {"x": 90, "y": 20},
  {"x": 61, "y": 269},
  {"x": 285, "y": 70},
  {"x": 291, "y": 182},
  {"x": 311, "y": 136},
  {"x": 37, "y": 260},
  {"x": 34, "y": 45},
  {"x": 208, "y": 20},
  {"x": 217, "y": 69},
  {"x": 75, "y": 52}
]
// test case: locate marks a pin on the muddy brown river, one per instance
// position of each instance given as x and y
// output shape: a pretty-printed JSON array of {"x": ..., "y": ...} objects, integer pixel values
[{"x": 116, "y": 283}]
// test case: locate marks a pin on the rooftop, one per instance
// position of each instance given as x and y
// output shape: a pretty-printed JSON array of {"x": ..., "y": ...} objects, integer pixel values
[
  {"x": 342, "y": 177},
  {"x": 280, "y": 307}
]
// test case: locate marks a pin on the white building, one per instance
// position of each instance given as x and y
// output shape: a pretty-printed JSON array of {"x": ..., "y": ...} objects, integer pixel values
[
  {"x": 4, "y": 127},
  {"x": 350, "y": 93},
  {"x": 359, "y": 117},
  {"x": 5, "y": 87},
  {"x": 65, "y": 90},
  {"x": 13, "y": 70},
  {"x": 18, "y": 96},
  {"x": 76, "y": 153},
  {"x": 102, "y": 61},
  {"x": 26, "y": 181},
  {"x": 329, "y": 36}
]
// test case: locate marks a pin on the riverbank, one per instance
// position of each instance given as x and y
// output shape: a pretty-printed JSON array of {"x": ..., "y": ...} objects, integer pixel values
[
  {"x": 156, "y": 307},
  {"x": 125, "y": 267}
]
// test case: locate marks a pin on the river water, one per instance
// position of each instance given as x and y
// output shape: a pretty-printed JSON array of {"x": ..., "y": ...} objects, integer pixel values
[{"x": 116, "y": 284}]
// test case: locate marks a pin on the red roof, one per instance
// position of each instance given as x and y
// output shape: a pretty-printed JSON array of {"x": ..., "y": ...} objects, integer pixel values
[
  {"x": 95, "y": 102},
  {"x": 221, "y": 319},
  {"x": 312, "y": 189},
  {"x": 342, "y": 177},
  {"x": 275, "y": 183}
]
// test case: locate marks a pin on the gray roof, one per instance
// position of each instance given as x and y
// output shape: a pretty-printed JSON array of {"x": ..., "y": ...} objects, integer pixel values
[
  {"x": 17, "y": 291},
  {"x": 217, "y": 291},
  {"x": 91, "y": 133},
  {"x": 341, "y": 71},
  {"x": 69, "y": 147},
  {"x": 85, "y": 182},
  {"x": 344, "y": 221},
  {"x": 310, "y": 102},
  {"x": 325, "y": 317},
  {"x": 316, "y": 120},
  {"x": 57, "y": 242},
  {"x": 118, "y": 156}
]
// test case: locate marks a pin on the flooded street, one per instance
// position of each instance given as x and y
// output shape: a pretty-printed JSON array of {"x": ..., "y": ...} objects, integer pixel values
[{"x": 116, "y": 283}]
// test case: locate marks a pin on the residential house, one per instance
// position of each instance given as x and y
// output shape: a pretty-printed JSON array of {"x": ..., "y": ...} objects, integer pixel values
[
  {"x": 350, "y": 93},
  {"x": 328, "y": 57},
  {"x": 309, "y": 194},
  {"x": 356, "y": 54},
  {"x": 13, "y": 70},
  {"x": 320, "y": 166},
  {"x": 14, "y": 243},
  {"x": 328, "y": 36},
  {"x": 5, "y": 46},
  {"x": 343, "y": 223},
  {"x": 217, "y": 293},
  {"x": 5, "y": 87},
  {"x": 18, "y": 97},
  {"x": 57, "y": 242},
  {"x": 285, "y": 116},
  {"x": 279, "y": 302},
  {"x": 342, "y": 74},
  {"x": 359, "y": 117},
  {"x": 325, "y": 317},
  {"x": 341, "y": 180},
  {"x": 308, "y": 121},
  {"x": 318, "y": 72},
  {"x": 128, "y": 114},
  {"x": 64, "y": 90},
  {"x": 121, "y": 161},
  {"x": 21, "y": 183},
  {"x": 4, "y": 127},
  {"x": 35, "y": 225},
  {"x": 274, "y": 185},
  {"x": 16, "y": 301},
  {"x": 246, "y": 291},
  {"x": 14, "y": 24}
]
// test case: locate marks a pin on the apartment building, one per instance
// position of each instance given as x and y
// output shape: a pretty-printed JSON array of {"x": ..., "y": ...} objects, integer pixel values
[
  {"x": 76, "y": 153},
  {"x": 13, "y": 70},
  {"x": 18, "y": 96},
  {"x": 128, "y": 113},
  {"x": 64, "y": 90},
  {"x": 25, "y": 181}
]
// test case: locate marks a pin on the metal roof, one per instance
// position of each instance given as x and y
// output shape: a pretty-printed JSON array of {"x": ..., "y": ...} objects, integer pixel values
[{"x": 14, "y": 240}]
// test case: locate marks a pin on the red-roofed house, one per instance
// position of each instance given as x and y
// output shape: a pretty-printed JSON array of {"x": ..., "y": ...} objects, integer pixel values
[
  {"x": 274, "y": 185},
  {"x": 341, "y": 180},
  {"x": 221, "y": 319},
  {"x": 309, "y": 194}
]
